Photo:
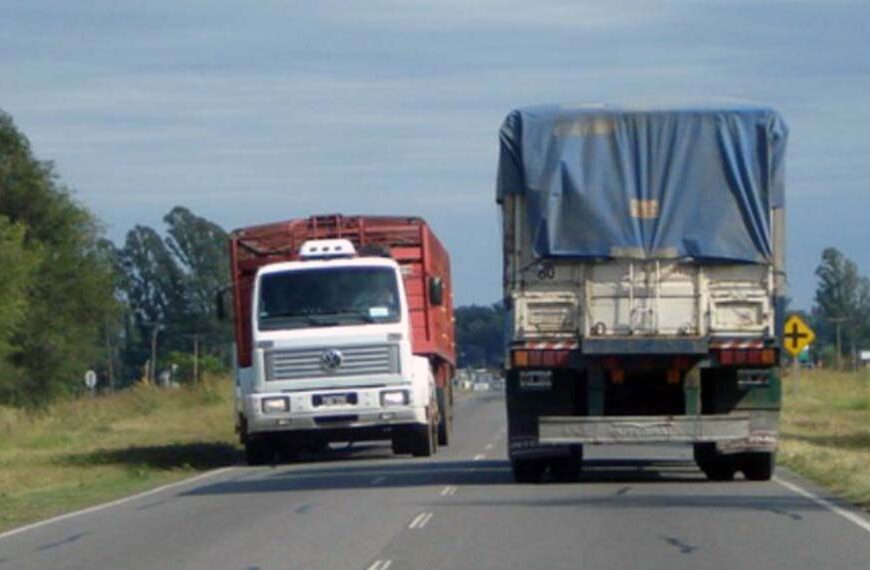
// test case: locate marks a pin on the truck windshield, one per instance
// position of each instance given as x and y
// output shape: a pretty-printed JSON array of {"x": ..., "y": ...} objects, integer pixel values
[{"x": 328, "y": 297}]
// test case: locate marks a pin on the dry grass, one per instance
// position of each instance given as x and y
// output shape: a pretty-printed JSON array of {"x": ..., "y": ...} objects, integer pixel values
[
  {"x": 91, "y": 450},
  {"x": 826, "y": 431}
]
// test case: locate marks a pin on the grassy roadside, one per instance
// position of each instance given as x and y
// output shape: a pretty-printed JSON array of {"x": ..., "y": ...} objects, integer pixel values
[
  {"x": 826, "y": 431},
  {"x": 84, "y": 452}
]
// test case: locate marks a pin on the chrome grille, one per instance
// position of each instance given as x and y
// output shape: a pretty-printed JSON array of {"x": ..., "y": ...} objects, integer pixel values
[{"x": 358, "y": 360}]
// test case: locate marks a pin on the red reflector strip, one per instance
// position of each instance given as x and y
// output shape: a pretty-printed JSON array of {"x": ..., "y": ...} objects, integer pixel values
[
  {"x": 536, "y": 358},
  {"x": 753, "y": 357},
  {"x": 726, "y": 357},
  {"x": 549, "y": 359}
]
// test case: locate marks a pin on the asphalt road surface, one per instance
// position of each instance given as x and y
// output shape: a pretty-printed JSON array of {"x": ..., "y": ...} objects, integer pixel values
[{"x": 362, "y": 508}]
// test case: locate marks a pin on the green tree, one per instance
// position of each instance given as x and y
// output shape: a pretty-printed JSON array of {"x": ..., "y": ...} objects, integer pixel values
[
  {"x": 200, "y": 248},
  {"x": 480, "y": 335},
  {"x": 69, "y": 289},
  {"x": 18, "y": 264},
  {"x": 842, "y": 296},
  {"x": 171, "y": 284}
]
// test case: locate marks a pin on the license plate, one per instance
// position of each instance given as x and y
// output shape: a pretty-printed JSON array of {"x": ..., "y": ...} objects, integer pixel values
[
  {"x": 534, "y": 380},
  {"x": 342, "y": 399}
]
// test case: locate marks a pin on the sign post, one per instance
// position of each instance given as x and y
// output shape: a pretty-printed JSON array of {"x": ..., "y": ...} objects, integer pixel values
[{"x": 796, "y": 337}]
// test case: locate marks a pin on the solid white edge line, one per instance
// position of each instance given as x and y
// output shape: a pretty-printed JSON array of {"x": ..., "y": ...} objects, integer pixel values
[
  {"x": 114, "y": 503},
  {"x": 848, "y": 515}
]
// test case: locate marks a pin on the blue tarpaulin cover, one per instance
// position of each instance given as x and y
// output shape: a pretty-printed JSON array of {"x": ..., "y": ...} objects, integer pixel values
[{"x": 646, "y": 183}]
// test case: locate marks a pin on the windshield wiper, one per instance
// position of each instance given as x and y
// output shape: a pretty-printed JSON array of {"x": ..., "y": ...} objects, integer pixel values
[
  {"x": 313, "y": 320},
  {"x": 361, "y": 314},
  {"x": 320, "y": 322}
]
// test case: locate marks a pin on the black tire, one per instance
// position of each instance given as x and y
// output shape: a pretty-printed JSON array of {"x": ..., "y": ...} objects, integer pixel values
[
  {"x": 424, "y": 441},
  {"x": 758, "y": 466},
  {"x": 445, "y": 425},
  {"x": 567, "y": 469},
  {"x": 720, "y": 470},
  {"x": 528, "y": 470},
  {"x": 716, "y": 466},
  {"x": 400, "y": 442},
  {"x": 259, "y": 450}
]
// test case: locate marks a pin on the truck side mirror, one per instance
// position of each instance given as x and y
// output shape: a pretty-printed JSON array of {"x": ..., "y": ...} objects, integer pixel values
[
  {"x": 436, "y": 291},
  {"x": 219, "y": 306}
]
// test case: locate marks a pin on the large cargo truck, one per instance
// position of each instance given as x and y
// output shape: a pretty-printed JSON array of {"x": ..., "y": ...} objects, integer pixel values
[
  {"x": 344, "y": 332},
  {"x": 644, "y": 283}
]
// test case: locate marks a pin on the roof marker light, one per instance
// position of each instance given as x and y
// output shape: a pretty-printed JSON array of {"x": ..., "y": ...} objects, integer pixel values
[{"x": 327, "y": 248}]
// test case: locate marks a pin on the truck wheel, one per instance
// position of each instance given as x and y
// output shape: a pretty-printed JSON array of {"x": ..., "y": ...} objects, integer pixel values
[
  {"x": 758, "y": 466},
  {"x": 567, "y": 469},
  {"x": 401, "y": 440},
  {"x": 445, "y": 425},
  {"x": 425, "y": 441},
  {"x": 528, "y": 470},
  {"x": 716, "y": 466},
  {"x": 259, "y": 450},
  {"x": 720, "y": 470}
]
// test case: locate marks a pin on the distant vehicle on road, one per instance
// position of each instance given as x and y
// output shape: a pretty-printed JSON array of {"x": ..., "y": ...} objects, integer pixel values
[
  {"x": 344, "y": 332},
  {"x": 644, "y": 283}
]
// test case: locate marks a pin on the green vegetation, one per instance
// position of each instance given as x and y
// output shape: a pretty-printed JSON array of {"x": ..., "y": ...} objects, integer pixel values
[
  {"x": 56, "y": 282},
  {"x": 70, "y": 300},
  {"x": 169, "y": 285},
  {"x": 78, "y": 453},
  {"x": 842, "y": 303},
  {"x": 480, "y": 335},
  {"x": 826, "y": 431}
]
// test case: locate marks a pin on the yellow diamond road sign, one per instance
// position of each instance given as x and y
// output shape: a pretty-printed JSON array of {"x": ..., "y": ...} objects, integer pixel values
[{"x": 797, "y": 335}]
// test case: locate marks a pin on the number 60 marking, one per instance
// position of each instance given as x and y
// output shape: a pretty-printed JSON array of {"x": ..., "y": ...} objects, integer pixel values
[{"x": 546, "y": 271}]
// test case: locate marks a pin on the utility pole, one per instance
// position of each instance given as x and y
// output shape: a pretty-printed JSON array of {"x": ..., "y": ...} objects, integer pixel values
[
  {"x": 195, "y": 358},
  {"x": 153, "y": 365},
  {"x": 110, "y": 369},
  {"x": 838, "y": 321}
]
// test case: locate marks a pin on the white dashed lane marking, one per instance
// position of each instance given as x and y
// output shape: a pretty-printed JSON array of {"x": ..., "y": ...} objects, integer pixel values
[
  {"x": 420, "y": 521},
  {"x": 449, "y": 490},
  {"x": 378, "y": 480},
  {"x": 479, "y": 456},
  {"x": 380, "y": 565}
]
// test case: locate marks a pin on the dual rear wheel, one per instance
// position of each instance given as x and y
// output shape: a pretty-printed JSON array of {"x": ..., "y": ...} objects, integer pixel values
[
  {"x": 755, "y": 466},
  {"x": 563, "y": 468}
]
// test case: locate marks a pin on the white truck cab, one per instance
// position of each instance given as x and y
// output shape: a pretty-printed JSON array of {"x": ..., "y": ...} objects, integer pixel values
[{"x": 332, "y": 358}]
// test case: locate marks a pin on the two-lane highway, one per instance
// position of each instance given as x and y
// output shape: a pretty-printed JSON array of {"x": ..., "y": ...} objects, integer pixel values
[{"x": 362, "y": 508}]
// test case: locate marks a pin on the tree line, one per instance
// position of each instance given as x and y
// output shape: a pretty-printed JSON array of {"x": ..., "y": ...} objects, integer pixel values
[{"x": 71, "y": 300}]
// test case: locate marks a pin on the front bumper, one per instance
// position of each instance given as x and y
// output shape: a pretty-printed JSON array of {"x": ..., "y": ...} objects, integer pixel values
[{"x": 304, "y": 415}]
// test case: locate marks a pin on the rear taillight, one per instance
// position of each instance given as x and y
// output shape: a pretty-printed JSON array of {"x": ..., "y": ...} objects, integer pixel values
[
  {"x": 747, "y": 357},
  {"x": 540, "y": 358}
]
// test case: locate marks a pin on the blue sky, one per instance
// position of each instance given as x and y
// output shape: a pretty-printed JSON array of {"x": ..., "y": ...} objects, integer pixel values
[{"x": 249, "y": 112}]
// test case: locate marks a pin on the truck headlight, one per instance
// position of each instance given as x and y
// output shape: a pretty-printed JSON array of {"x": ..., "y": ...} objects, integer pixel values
[
  {"x": 275, "y": 405},
  {"x": 395, "y": 398}
]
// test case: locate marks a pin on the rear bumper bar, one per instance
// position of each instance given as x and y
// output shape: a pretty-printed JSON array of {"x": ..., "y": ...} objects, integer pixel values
[{"x": 644, "y": 429}]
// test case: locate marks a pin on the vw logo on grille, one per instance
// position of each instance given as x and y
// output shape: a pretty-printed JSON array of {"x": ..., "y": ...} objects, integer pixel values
[{"x": 331, "y": 359}]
